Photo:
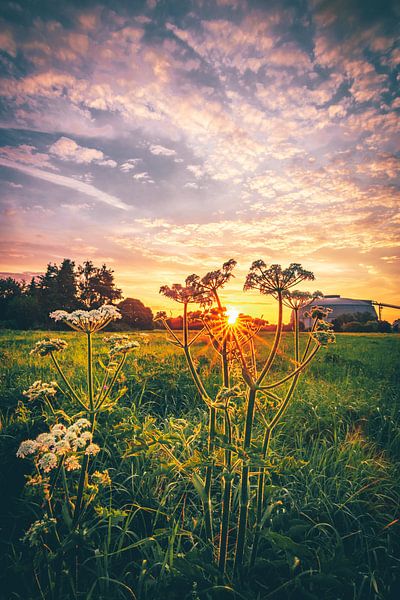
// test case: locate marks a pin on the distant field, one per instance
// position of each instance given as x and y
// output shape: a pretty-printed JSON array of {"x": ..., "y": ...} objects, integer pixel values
[{"x": 336, "y": 480}]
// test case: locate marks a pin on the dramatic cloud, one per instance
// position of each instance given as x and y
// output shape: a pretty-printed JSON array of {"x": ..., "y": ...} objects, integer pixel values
[{"x": 229, "y": 128}]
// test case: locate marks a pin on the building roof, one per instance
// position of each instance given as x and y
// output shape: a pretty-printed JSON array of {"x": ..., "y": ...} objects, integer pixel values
[{"x": 338, "y": 300}]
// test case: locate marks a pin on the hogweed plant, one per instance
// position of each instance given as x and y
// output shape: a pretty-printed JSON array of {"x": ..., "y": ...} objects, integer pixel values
[
  {"x": 64, "y": 448},
  {"x": 244, "y": 383}
]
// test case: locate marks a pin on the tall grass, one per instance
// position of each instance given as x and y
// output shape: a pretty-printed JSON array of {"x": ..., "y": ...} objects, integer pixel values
[{"x": 329, "y": 528}]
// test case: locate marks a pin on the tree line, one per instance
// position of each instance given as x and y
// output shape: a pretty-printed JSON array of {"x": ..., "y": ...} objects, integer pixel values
[{"x": 68, "y": 287}]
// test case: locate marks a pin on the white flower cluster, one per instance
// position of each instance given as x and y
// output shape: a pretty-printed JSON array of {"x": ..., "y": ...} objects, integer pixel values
[
  {"x": 121, "y": 344},
  {"x": 61, "y": 441},
  {"x": 88, "y": 321},
  {"x": 45, "y": 347},
  {"x": 39, "y": 388},
  {"x": 37, "y": 529}
]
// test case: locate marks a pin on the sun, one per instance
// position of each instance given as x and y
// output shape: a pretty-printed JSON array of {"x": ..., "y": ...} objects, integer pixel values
[{"x": 232, "y": 313}]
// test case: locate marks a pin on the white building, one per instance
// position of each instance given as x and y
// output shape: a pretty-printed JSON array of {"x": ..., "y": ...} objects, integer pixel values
[{"x": 339, "y": 306}]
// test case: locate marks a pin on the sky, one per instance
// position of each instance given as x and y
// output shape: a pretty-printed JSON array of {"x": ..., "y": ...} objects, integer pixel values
[{"x": 164, "y": 138}]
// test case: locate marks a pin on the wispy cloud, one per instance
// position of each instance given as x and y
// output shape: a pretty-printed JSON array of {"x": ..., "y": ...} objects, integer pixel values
[{"x": 68, "y": 182}]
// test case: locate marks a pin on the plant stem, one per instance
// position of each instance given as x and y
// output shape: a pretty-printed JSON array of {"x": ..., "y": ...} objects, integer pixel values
[
  {"x": 209, "y": 472},
  {"x": 103, "y": 396},
  {"x": 245, "y": 483},
  {"x": 293, "y": 373},
  {"x": 260, "y": 496},
  {"x": 207, "y": 504},
  {"x": 277, "y": 338},
  {"x": 244, "y": 487},
  {"x": 226, "y": 502},
  {"x": 85, "y": 462},
  {"x": 90, "y": 371},
  {"x": 65, "y": 380},
  {"x": 267, "y": 439}
]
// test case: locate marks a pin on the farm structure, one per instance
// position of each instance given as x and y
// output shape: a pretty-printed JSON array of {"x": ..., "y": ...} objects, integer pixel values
[{"x": 339, "y": 306}]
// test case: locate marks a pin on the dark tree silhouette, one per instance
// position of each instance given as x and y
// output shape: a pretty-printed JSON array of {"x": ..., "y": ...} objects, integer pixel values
[
  {"x": 96, "y": 285},
  {"x": 135, "y": 314}
]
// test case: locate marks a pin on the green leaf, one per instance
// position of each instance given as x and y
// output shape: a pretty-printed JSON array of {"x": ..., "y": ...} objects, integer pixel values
[
  {"x": 199, "y": 486},
  {"x": 285, "y": 543}
]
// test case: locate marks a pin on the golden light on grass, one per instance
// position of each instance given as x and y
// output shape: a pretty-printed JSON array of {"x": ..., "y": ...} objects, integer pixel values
[{"x": 232, "y": 313}]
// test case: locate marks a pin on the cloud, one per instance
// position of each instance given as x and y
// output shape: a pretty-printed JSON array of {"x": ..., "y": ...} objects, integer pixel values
[
  {"x": 196, "y": 170},
  {"x": 26, "y": 154},
  {"x": 143, "y": 177},
  {"x": 161, "y": 150},
  {"x": 130, "y": 164},
  {"x": 67, "y": 182},
  {"x": 291, "y": 119},
  {"x": 66, "y": 149}
]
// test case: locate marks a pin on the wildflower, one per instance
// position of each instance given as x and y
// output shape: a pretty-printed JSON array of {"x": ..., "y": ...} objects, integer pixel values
[
  {"x": 37, "y": 529},
  {"x": 38, "y": 389},
  {"x": 45, "y": 347},
  {"x": 48, "y": 462},
  {"x": 214, "y": 280},
  {"x": 27, "y": 448},
  {"x": 102, "y": 477},
  {"x": 318, "y": 312},
  {"x": 275, "y": 280},
  {"x": 184, "y": 293},
  {"x": 298, "y": 299},
  {"x": 34, "y": 480},
  {"x": 82, "y": 424},
  {"x": 120, "y": 344},
  {"x": 323, "y": 325},
  {"x": 62, "y": 447},
  {"x": 324, "y": 337},
  {"x": 70, "y": 436},
  {"x": 58, "y": 430},
  {"x": 86, "y": 436},
  {"x": 78, "y": 442},
  {"x": 92, "y": 450},
  {"x": 46, "y": 441},
  {"x": 145, "y": 338},
  {"x": 88, "y": 321},
  {"x": 72, "y": 463}
]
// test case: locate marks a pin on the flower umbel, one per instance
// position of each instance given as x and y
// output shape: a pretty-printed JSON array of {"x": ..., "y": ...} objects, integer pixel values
[
  {"x": 318, "y": 312},
  {"x": 45, "y": 347},
  {"x": 40, "y": 389},
  {"x": 275, "y": 280},
  {"x": 60, "y": 442},
  {"x": 121, "y": 344},
  {"x": 190, "y": 292},
  {"x": 88, "y": 321},
  {"x": 298, "y": 299}
]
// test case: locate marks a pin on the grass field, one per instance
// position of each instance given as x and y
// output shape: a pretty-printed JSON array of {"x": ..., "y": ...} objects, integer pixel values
[{"x": 331, "y": 525}]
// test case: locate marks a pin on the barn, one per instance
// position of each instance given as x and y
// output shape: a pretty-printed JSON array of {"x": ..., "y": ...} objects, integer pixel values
[{"x": 339, "y": 306}]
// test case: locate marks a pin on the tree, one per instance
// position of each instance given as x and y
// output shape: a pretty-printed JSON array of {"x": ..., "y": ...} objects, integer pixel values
[
  {"x": 66, "y": 286},
  {"x": 135, "y": 314},
  {"x": 96, "y": 285},
  {"x": 47, "y": 288},
  {"x": 384, "y": 327},
  {"x": 10, "y": 289},
  {"x": 23, "y": 312}
]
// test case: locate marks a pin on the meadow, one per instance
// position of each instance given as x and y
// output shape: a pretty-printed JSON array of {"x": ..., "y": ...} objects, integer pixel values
[{"x": 331, "y": 523}]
